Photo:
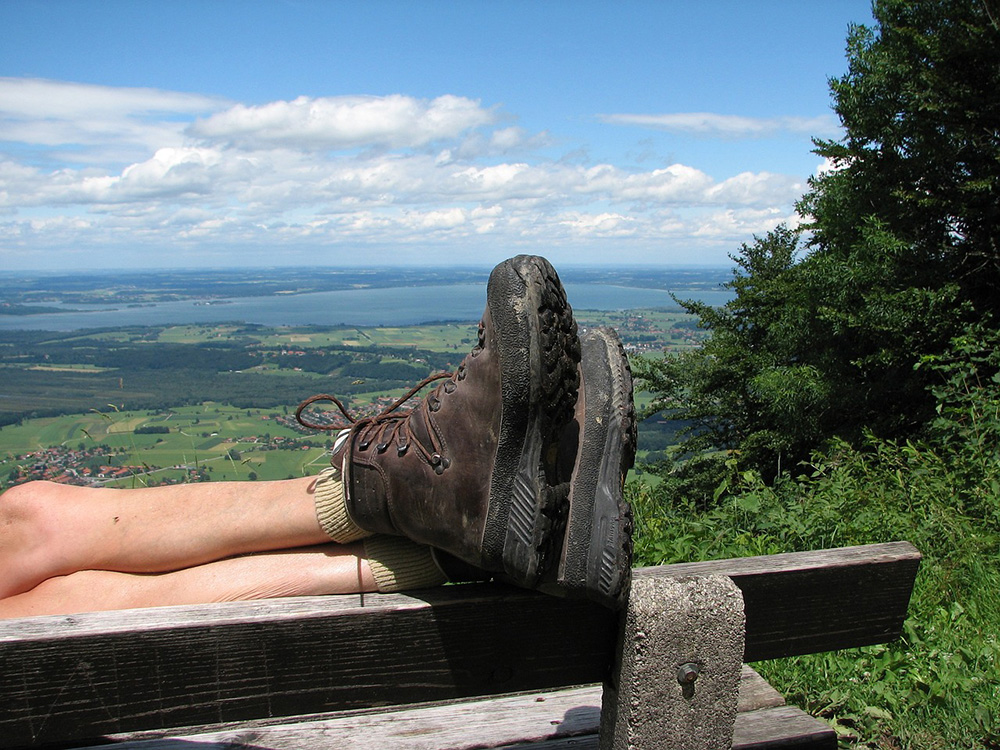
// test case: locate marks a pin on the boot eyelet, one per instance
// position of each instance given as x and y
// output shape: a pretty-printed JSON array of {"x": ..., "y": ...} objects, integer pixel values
[
  {"x": 439, "y": 469},
  {"x": 401, "y": 449},
  {"x": 434, "y": 404},
  {"x": 363, "y": 445},
  {"x": 445, "y": 463},
  {"x": 450, "y": 386},
  {"x": 380, "y": 448}
]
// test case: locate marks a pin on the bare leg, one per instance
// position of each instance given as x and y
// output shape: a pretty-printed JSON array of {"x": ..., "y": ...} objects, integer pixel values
[
  {"x": 49, "y": 529},
  {"x": 318, "y": 570}
]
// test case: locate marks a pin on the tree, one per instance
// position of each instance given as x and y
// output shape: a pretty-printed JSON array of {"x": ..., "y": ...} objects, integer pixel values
[
  {"x": 747, "y": 387},
  {"x": 921, "y": 111},
  {"x": 905, "y": 227},
  {"x": 900, "y": 255}
]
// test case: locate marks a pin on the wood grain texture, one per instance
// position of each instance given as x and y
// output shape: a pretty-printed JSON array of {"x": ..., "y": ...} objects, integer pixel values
[
  {"x": 756, "y": 692},
  {"x": 542, "y": 721},
  {"x": 526, "y": 718},
  {"x": 808, "y": 602},
  {"x": 782, "y": 727},
  {"x": 145, "y": 669},
  {"x": 85, "y": 676}
]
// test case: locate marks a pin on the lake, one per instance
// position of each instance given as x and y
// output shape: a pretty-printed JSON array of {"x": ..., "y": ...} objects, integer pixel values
[{"x": 394, "y": 306}]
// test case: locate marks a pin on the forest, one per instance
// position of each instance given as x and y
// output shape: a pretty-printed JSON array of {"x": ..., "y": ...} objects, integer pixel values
[
  {"x": 850, "y": 392},
  {"x": 47, "y": 374}
]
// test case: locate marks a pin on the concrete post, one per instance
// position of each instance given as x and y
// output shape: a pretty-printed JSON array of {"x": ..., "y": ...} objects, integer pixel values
[{"x": 676, "y": 680}]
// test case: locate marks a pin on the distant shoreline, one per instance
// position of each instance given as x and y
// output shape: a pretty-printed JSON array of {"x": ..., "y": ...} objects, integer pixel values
[{"x": 308, "y": 297}]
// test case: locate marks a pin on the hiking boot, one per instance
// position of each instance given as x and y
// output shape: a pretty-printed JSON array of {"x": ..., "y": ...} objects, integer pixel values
[
  {"x": 472, "y": 470},
  {"x": 598, "y": 450}
]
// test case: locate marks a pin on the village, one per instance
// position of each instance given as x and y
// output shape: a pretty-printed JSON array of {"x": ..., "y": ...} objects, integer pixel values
[{"x": 99, "y": 464}]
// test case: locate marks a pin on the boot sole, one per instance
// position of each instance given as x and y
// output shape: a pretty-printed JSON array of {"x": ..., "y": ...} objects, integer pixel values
[
  {"x": 597, "y": 551},
  {"x": 536, "y": 341}
]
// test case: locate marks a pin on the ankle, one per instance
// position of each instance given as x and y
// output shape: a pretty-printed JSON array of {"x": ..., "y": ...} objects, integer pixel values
[
  {"x": 331, "y": 508},
  {"x": 397, "y": 564}
]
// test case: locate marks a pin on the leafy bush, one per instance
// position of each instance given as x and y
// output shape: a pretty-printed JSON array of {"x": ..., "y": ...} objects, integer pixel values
[{"x": 939, "y": 687}]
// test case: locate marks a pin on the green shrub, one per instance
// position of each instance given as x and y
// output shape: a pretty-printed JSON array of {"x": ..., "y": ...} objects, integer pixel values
[{"x": 939, "y": 686}]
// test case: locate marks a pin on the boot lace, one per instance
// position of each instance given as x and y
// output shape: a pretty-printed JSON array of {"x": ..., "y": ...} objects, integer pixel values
[{"x": 389, "y": 427}]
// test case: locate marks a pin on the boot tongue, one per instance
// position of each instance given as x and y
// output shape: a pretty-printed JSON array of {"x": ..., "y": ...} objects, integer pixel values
[{"x": 399, "y": 432}]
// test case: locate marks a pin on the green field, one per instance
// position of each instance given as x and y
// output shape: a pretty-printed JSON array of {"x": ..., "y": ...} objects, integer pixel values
[
  {"x": 225, "y": 442},
  {"x": 74, "y": 401},
  {"x": 217, "y": 441},
  {"x": 657, "y": 327}
]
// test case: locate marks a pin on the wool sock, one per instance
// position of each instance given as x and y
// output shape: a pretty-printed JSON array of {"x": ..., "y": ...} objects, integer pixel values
[
  {"x": 401, "y": 565},
  {"x": 331, "y": 508}
]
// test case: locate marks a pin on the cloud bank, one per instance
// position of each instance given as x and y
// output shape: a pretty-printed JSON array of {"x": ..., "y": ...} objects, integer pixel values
[{"x": 93, "y": 167}]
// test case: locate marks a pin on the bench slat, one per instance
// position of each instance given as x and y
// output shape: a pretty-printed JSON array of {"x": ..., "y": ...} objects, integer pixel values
[
  {"x": 782, "y": 727},
  {"x": 542, "y": 721},
  {"x": 73, "y": 678},
  {"x": 80, "y": 677}
]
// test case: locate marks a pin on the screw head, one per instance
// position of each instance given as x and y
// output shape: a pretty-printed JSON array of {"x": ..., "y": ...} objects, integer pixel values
[{"x": 688, "y": 673}]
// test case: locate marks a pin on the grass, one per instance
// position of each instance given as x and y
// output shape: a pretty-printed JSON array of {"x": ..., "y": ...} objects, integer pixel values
[{"x": 939, "y": 686}]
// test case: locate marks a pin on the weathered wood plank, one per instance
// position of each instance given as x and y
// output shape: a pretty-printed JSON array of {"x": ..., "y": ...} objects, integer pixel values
[
  {"x": 808, "y": 602},
  {"x": 94, "y": 674},
  {"x": 544, "y": 721},
  {"x": 462, "y": 725},
  {"x": 527, "y": 717},
  {"x": 756, "y": 692},
  {"x": 782, "y": 727},
  {"x": 71, "y": 678}
]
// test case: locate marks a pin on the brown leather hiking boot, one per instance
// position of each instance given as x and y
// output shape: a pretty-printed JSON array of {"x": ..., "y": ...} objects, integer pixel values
[
  {"x": 472, "y": 470},
  {"x": 597, "y": 450}
]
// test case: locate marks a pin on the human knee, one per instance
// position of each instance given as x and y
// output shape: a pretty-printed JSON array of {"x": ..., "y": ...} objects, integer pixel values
[
  {"x": 18, "y": 503},
  {"x": 26, "y": 538},
  {"x": 25, "y": 507}
]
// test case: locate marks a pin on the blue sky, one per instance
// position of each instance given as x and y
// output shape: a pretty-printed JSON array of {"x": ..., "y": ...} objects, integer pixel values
[{"x": 224, "y": 133}]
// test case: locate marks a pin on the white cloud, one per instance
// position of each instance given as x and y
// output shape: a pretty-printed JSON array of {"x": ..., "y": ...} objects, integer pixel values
[
  {"x": 172, "y": 172},
  {"x": 732, "y": 223},
  {"x": 675, "y": 184},
  {"x": 830, "y": 165},
  {"x": 345, "y": 122},
  {"x": 373, "y": 171},
  {"x": 59, "y": 113},
  {"x": 41, "y": 99},
  {"x": 729, "y": 127},
  {"x": 757, "y": 188},
  {"x": 604, "y": 224}
]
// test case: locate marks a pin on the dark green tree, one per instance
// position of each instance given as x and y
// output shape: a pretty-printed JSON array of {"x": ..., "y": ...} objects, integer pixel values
[
  {"x": 904, "y": 229},
  {"x": 899, "y": 255},
  {"x": 921, "y": 154},
  {"x": 747, "y": 388}
]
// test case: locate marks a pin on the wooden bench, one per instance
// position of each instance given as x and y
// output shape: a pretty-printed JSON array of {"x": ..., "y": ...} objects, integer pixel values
[{"x": 459, "y": 666}]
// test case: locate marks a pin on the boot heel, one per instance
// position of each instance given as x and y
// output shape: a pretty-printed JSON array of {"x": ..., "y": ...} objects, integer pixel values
[{"x": 535, "y": 528}]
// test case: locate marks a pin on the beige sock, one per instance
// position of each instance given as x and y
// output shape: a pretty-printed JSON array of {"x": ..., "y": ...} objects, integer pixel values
[
  {"x": 331, "y": 508},
  {"x": 401, "y": 565}
]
